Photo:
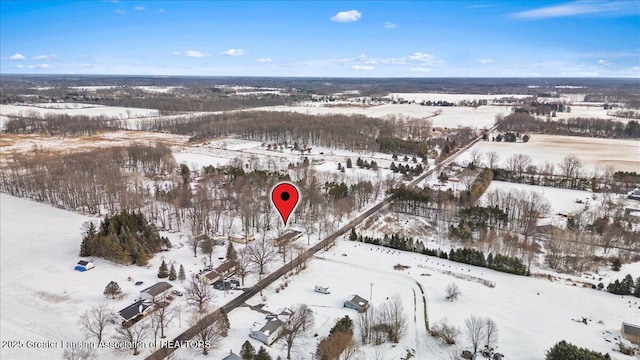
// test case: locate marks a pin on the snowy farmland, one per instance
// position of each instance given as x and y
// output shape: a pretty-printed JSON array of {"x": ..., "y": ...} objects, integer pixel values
[
  {"x": 75, "y": 109},
  {"x": 531, "y": 314},
  {"x": 449, "y": 117},
  {"x": 595, "y": 153}
]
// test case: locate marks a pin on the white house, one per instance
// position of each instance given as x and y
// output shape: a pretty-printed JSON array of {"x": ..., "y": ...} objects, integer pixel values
[
  {"x": 156, "y": 292},
  {"x": 266, "y": 331},
  {"x": 321, "y": 289}
]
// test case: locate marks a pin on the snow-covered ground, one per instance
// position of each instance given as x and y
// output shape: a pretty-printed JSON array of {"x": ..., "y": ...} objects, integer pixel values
[
  {"x": 74, "y": 109},
  {"x": 451, "y": 117},
  {"x": 26, "y": 143},
  {"x": 41, "y": 293},
  {"x": 454, "y": 98},
  {"x": 594, "y": 153},
  {"x": 531, "y": 314}
]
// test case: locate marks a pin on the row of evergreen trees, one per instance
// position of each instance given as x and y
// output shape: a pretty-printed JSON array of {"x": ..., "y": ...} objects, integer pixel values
[
  {"x": 124, "y": 238},
  {"x": 625, "y": 287},
  {"x": 498, "y": 262}
]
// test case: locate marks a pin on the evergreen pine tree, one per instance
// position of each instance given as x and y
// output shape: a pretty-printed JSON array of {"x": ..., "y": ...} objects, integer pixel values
[
  {"x": 226, "y": 325},
  {"x": 353, "y": 236},
  {"x": 626, "y": 286},
  {"x": 248, "y": 352},
  {"x": 349, "y": 164},
  {"x": 262, "y": 354},
  {"x": 181, "y": 275},
  {"x": 616, "y": 265},
  {"x": 636, "y": 292},
  {"x": 172, "y": 273},
  {"x": 163, "y": 272},
  {"x": 339, "y": 166},
  {"x": 112, "y": 290},
  {"x": 231, "y": 252}
]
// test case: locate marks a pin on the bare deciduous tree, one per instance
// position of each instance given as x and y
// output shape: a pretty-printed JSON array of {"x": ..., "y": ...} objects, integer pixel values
[
  {"x": 208, "y": 330},
  {"x": 475, "y": 331},
  {"x": 452, "y": 292},
  {"x": 161, "y": 317},
  {"x": 490, "y": 333},
  {"x": 261, "y": 253},
  {"x": 492, "y": 159},
  {"x": 300, "y": 323},
  {"x": 95, "y": 320},
  {"x": 392, "y": 313},
  {"x": 132, "y": 335},
  {"x": 447, "y": 333},
  {"x": 198, "y": 293},
  {"x": 243, "y": 264}
]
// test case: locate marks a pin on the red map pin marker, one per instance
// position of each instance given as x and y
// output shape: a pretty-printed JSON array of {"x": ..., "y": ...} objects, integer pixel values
[{"x": 284, "y": 197}]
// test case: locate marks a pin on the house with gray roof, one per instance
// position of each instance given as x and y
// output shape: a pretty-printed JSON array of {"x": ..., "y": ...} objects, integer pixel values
[
  {"x": 356, "y": 302},
  {"x": 267, "y": 331},
  {"x": 156, "y": 292}
]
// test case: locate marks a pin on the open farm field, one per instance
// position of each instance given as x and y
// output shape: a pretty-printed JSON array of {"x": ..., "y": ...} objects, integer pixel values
[{"x": 594, "y": 153}]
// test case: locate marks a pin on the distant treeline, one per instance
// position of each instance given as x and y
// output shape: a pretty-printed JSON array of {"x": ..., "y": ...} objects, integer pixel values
[
  {"x": 525, "y": 123},
  {"x": 473, "y": 257},
  {"x": 336, "y": 131},
  {"x": 61, "y": 124}
]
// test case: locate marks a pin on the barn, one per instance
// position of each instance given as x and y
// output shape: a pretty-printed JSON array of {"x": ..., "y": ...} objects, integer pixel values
[{"x": 83, "y": 265}]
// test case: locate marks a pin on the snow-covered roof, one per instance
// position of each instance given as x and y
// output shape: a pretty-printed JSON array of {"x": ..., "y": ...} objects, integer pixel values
[{"x": 157, "y": 288}]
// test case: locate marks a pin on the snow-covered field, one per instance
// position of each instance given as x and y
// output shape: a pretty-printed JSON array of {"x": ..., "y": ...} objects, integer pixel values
[
  {"x": 531, "y": 314},
  {"x": 594, "y": 153},
  {"x": 451, "y": 117},
  {"x": 74, "y": 109},
  {"x": 454, "y": 98},
  {"x": 41, "y": 293},
  {"x": 26, "y": 143},
  {"x": 43, "y": 297}
]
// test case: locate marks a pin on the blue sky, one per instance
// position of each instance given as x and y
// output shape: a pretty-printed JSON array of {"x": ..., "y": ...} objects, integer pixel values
[{"x": 324, "y": 39}]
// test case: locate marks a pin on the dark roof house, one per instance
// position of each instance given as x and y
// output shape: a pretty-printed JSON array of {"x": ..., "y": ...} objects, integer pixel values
[
  {"x": 631, "y": 332},
  {"x": 134, "y": 310},
  {"x": 357, "y": 303}
]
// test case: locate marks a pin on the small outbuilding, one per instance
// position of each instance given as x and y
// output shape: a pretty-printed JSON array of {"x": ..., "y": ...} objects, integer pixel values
[
  {"x": 231, "y": 356},
  {"x": 356, "y": 302},
  {"x": 84, "y": 265},
  {"x": 631, "y": 332}
]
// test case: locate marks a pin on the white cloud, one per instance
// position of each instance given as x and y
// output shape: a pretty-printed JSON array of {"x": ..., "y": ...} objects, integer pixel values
[
  {"x": 45, "y": 57},
  {"x": 578, "y": 8},
  {"x": 363, "y": 67},
  {"x": 41, "y": 66},
  {"x": 138, "y": 8},
  {"x": 422, "y": 57},
  {"x": 19, "y": 66},
  {"x": 161, "y": 10},
  {"x": 264, "y": 60},
  {"x": 119, "y": 12},
  {"x": 175, "y": 53},
  {"x": 195, "y": 54},
  {"x": 485, "y": 61},
  {"x": 234, "y": 52},
  {"x": 420, "y": 69},
  {"x": 389, "y": 25},
  {"x": 17, "y": 56},
  {"x": 347, "y": 16},
  {"x": 604, "y": 62}
]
